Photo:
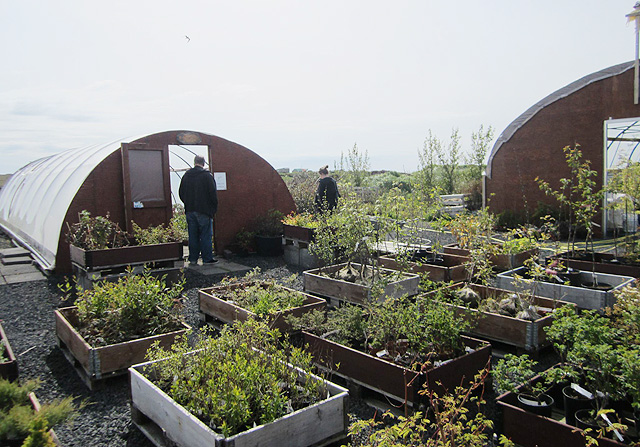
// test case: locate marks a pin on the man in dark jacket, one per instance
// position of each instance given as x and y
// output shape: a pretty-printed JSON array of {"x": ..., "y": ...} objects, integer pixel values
[{"x": 200, "y": 198}]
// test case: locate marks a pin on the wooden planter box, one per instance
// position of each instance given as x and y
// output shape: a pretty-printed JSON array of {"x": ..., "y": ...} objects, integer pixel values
[
  {"x": 315, "y": 282},
  {"x": 300, "y": 233},
  {"x": 501, "y": 262},
  {"x": 527, "y": 429},
  {"x": 8, "y": 369},
  {"x": 212, "y": 303},
  {"x": 601, "y": 265},
  {"x": 162, "y": 419},
  {"x": 390, "y": 379},
  {"x": 584, "y": 298},
  {"x": 136, "y": 254},
  {"x": 106, "y": 361},
  {"x": 523, "y": 334},
  {"x": 453, "y": 268}
]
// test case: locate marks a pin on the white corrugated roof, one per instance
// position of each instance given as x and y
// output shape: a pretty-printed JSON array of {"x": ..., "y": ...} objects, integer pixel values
[
  {"x": 516, "y": 124},
  {"x": 35, "y": 200}
]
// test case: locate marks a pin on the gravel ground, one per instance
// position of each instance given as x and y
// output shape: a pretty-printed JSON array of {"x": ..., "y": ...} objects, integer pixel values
[{"x": 26, "y": 312}]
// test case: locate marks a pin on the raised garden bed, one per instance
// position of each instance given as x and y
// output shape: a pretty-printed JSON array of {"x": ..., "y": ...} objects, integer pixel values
[
  {"x": 122, "y": 256},
  {"x": 530, "y": 430},
  {"x": 523, "y": 334},
  {"x": 584, "y": 298},
  {"x": 501, "y": 261},
  {"x": 604, "y": 263},
  {"x": 164, "y": 421},
  {"x": 95, "y": 364},
  {"x": 392, "y": 380},
  {"x": 320, "y": 282},
  {"x": 9, "y": 368},
  {"x": 299, "y": 233},
  {"x": 450, "y": 269},
  {"x": 212, "y": 303}
]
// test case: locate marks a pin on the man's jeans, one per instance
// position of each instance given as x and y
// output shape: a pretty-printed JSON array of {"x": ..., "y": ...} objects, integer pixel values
[{"x": 200, "y": 228}]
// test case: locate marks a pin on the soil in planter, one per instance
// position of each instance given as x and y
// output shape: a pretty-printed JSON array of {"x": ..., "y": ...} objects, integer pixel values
[
  {"x": 351, "y": 274},
  {"x": 585, "y": 419},
  {"x": 508, "y": 304}
]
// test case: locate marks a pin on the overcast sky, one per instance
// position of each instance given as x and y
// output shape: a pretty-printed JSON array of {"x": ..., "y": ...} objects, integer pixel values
[{"x": 298, "y": 82}]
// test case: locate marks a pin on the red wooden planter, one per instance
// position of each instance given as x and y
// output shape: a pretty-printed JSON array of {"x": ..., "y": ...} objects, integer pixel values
[
  {"x": 98, "y": 363},
  {"x": 136, "y": 254},
  {"x": 393, "y": 380},
  {"x": 528, "y": 335},
  {"x": 501, "y": 262},
  {"x": 453, "y": 268},
  {"x": 300, "y": 233},
  {"x": 602, "y": 264},
  {"x": 8, "y": 369},
  {"x": 212, "y": 303}
]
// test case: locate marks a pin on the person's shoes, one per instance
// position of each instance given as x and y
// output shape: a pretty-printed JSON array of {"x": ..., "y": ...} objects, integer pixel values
[{"x": 213, "y": 261}]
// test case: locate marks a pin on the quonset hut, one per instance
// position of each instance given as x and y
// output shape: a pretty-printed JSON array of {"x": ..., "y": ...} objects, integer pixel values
[
  {"x": 131, "y": 181},
  {"x": 531, "y": 146}
]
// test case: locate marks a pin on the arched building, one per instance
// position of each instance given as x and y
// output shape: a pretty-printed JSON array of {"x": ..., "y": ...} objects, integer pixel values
[
  {"x": 531, "y": 146},
  {"x": 131, "y": 181}
]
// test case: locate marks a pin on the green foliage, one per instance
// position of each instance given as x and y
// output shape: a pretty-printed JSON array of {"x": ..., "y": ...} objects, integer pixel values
[
  {"x": 306, "y": 220},
  {"x": 95, "y": 233},
  {"x": 39, "y": 435},
  {"x": 450, "y": 423},
  {"x": 449, "y": 161},
  {"x": 3, "y": 355},
  {"x": 302, "y": 186},
  {"x": 179, "y": 222},
  {"x": 17, "y": 416},
  {"x": 513, "y": 371},
  {"x": 133, "y": 307},
  {"x": 157, "y": 235},
  {"x": 269, "y": 224},
  {"x": 356, "y": 165},
  {"x": 263, "y": 298},
  {"x": 240, "y": 379}
]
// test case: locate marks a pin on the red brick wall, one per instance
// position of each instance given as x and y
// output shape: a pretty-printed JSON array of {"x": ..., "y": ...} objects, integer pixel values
[{"x": 535, "y": 150}]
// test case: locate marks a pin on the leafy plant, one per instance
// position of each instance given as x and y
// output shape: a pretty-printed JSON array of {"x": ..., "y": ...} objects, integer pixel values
[
  {"x": 18, "y": 419},
  {"x": 306, "y": 220},
  {"x": 3, "y": 356},
  {"x": 133, "y": 307},
  {"x": 158, "y": 234},
  {"x": 243, "y": 378},
  {"x": 451, "y": 422},
  {"x": 515, "y": 371},
  {"x": 269, "y": 224},
  {"x": 95, "y": 233}
]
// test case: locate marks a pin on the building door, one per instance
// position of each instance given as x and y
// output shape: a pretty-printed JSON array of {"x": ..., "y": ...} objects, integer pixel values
[{"x": 147, "y": 187}]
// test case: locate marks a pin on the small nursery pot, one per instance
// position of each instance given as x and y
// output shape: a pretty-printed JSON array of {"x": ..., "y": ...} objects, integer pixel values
[
  {"x": 541, "y": 406},
  {"x": 571, "y": 275},
  {"x": 574, "y": 402}
]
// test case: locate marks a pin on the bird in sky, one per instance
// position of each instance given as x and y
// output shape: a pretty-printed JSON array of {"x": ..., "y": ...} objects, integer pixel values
[{"x": 188, "y": 39}]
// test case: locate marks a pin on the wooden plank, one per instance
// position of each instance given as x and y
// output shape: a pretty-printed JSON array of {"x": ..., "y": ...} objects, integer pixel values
[
  {"x": 136, "y": 254},
  {"x": 74, "y": 342},
  {"x": 307, "y": 426},
  {"x": 8, "y": 369},
  {"x": 211, "y": 302},
  {"x": 453, "y": 268}
]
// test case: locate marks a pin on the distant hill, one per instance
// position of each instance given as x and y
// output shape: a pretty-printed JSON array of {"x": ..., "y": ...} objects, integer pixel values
[{"x": 4, "y": 178}]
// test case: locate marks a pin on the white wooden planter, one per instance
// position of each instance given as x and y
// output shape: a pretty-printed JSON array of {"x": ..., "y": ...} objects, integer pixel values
[
  {"x": 584, "y": 298},
  {"x": 318, "y": 283},
  {"x": 161, "y": 418}
]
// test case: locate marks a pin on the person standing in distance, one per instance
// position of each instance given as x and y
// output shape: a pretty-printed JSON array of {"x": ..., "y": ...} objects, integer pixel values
[
  {"x": 327, "y": 194},
  {"x": 200, "y": 198}
]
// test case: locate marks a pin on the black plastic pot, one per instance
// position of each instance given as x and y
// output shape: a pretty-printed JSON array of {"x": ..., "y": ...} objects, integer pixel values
[
  {"x": 269, "y": 245},
  {"x": 541, "y": 406},
  {"x": 574, "y": 402},
  {"x": 571, "y": 275}
]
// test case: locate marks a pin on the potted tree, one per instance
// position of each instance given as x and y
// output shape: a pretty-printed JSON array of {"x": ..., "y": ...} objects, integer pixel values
[
  {"x": 268, "y": 233},
  {"x": 240, "y": 299},
  {"x": 345, "y": 242},
  {"x": 245, "y": 387},
  {"x": 112, "y": 325}
]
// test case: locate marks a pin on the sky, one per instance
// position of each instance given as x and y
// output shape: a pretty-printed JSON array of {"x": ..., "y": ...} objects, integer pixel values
[{"x": 299, "y": 82}]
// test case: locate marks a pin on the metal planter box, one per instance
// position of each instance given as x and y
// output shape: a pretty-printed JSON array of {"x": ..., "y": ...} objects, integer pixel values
[
  {"x": 8, "y": 369},
  {"x": 99, "y": 363},
  {"x": 136, "y": 254},
  {"x": 501, "y": 262},
  {"x": 316, "y": 283},
  {"x": 524, "y": 334},
  {"x": 584, "y": 298},
  {"x": 212, "y": 303},
  {"x": 452, "y": 269},
  {"x": 162, "y": 419},
  {"x": 390, "y": 379}
]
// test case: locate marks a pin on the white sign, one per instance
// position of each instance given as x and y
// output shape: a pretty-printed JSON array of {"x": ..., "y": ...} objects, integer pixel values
[{"x": 221, "y": 180}]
